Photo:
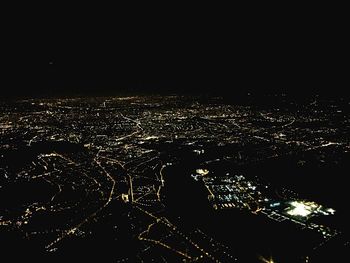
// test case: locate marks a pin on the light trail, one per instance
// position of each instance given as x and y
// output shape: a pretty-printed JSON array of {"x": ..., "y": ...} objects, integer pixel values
[
  {"x": 76, "y": 227},
  {"x": 174, "y": 229}
]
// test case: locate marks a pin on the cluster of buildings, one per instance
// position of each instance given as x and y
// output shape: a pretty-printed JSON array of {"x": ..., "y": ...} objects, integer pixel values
[{"x": 238, "y": 192}]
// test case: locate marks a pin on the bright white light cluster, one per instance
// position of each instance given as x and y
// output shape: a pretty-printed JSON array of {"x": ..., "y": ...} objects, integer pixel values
[
  {"x": 301, "y": 209},
  {"x": 202, "y": 171},
  {"x": 305, "y": 209}
]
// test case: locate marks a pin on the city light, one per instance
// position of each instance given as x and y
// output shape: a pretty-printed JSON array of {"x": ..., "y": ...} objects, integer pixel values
[
  {"x": 299, "y": 209},
  {"x": 74, "y": 169},
  {"x": 202, "y": 172},
  {"x": 266, "y": 260},
  {"x": 331, "y": 211}
]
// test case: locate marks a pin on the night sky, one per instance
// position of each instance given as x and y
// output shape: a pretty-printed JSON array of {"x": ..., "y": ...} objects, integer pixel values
[{"x": 207, "y": 55}]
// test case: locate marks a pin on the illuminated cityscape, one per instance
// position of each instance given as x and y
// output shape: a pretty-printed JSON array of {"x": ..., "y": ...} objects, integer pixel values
[
  {"x": 236, "y": 192},
  {"x": 173, "y": 179}
]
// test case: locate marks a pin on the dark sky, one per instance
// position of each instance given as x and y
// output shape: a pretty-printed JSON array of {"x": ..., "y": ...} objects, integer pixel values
[{"x": 147, "y": 54}]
